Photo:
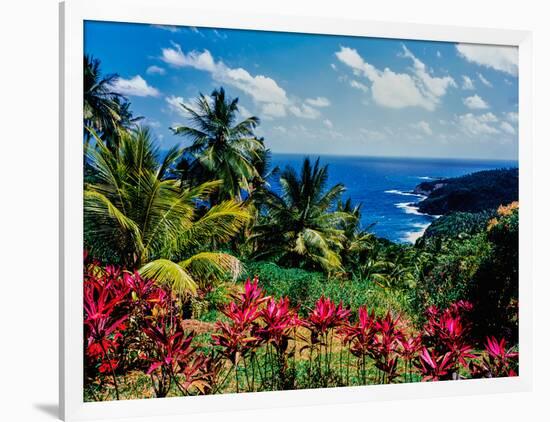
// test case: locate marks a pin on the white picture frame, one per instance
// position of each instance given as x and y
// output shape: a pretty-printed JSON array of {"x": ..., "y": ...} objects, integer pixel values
[{"x": 73, "y": 13}]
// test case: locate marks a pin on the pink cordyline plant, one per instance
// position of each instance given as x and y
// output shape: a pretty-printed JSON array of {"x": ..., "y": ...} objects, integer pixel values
[
  {"x": 238, "y": 337},
  {"x": 359, "y": 338},
  {"x": 279, "y": 326},
  {"x": 322, "y": 320},
  {"x": 103, "y": 323},
  {"x": 326, "y": 315},
  {"x": 410, "y": 344},
  {"x": 386, "y": 343},
  {"x": 279, "y": 319},
  {"x": 252, "y": 294},
  {"x": 170, "y": 354},
  {"x": 447, "y": 332},
  {"x": 499, "y": 361},
  {"x": 434, "y": 367}
]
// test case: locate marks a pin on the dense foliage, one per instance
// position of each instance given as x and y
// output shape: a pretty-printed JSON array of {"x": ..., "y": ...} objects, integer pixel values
[{"x": 458, "y": 224}]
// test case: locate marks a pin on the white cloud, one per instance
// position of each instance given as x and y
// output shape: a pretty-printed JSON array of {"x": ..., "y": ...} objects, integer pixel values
[
  {"x": 273, "y": 110},
  {"x": 474, "y": 125},
  {"x": 475, "y": 102},
  {"x": 136, "y": 86},
  {"x": 175, "y": 105},
  {"x": 218, "y": 34},
  {"x": 176, "y": 57},
  {"x": 333, "y": 66},
  {"x": 512, "y": 116},
  {"x": 328, "y": 123},
  {"x": 502, "y": 58},
  {"x": 304, "y": 111},
  {"x": 372, "y": 135},
  {"x": 424, "y": 127},
  {"x": 508, "y": 128},
  {"x": 467, "y": 83},
  {"x": 244, "y": 112},
  {"x": 358, "y": 85},
  {"x": 169, "y": 28},
  {"x": 155, "y": 70},
  {"x": 438, "y": 54},
  {"x": 281, "y": 129},
  {"x": 335, "y": 134},
  {"x": 484, "y": 81},
  {"x": 151, "y": 123},
  {"x": 488, "y": 118},
  {"x": 398, "y": 90},
  {"x": 434, "y": 86},
  {"x": 265, "y": 91},
  {"x": 318, "y": 102}
]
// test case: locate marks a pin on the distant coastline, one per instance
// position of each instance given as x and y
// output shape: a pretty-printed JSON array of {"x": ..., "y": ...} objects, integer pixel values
[{"x": 386, "y": 187}]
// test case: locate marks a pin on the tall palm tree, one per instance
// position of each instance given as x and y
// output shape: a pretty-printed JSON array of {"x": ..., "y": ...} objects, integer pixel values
[
  {"x": 358, "y": 242},
  {"x": 136, "y": 213},
  {"x": 221, "y": 148},
  {"x": 300, "y": 227},
  {"x": 106, "y": 112}
]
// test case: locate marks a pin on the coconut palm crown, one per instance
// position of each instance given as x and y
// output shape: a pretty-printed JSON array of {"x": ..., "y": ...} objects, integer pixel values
[
  {"x": 106, "y": 111},
  {"x": 301, "y": 227},
  {"x": 222, "y": 148},
  {"x": 136, "y": 210}
]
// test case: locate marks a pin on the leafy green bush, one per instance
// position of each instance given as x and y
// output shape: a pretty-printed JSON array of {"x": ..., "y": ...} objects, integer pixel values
[
  {"x": 458, "y": 224},
  {"x": 494, "y": 289},
  {"x": 295, "y": 283},
  {"x": 303, "y": 288},
  {"x": 447, "y": 277}
]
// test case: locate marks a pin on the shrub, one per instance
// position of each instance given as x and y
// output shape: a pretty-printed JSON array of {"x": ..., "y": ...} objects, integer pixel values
[
  {"x": 304, "y": 288},
  {"x": 295, "y": 283}
]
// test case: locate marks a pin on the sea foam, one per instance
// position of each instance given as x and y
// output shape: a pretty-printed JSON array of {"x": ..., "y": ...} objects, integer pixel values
[
  {"x": 399, "y": 192},
  {"x": 413, "y": 235},
  {"x": 409, "y": 208}
]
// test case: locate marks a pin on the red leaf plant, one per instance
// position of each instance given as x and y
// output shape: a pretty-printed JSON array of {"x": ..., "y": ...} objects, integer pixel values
[
  {"x": 173, "y": 358},
  {"x": 435, "y": 367},
  {"x": 410, "y": 344},
  {"x": 326, "y": 315},
  {"x": 279, "y": 320},
  {"x": 386, "y": 343},
  {"x": 498, "y": 360},
  {"x": 359, "y": 338},
  {"x": 238, "y": 337},
  {"x": 279, "y": 326},
  {"x": 447, "y": 332},
  {"x": 104, "y": 297},
  {"x": 322, "y": 321}
]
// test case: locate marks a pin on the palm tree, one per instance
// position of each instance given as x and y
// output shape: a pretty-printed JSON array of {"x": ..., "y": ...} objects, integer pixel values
[
  {"x": 138, "y": 214},
  {"x": 221, "y": 148},
  {"x": 300, "y": 227},
  {"x": 105, "y": 111},
  {"x": 358, "y": 242}
]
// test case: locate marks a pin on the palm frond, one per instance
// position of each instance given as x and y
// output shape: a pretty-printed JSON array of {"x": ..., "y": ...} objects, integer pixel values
[{"x": 168, "y": 273}]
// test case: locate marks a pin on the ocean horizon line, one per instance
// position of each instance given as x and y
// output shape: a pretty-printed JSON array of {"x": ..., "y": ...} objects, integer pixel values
[
  {"x": 396, "y": 157},
  {"x": 164, "y": 150}
]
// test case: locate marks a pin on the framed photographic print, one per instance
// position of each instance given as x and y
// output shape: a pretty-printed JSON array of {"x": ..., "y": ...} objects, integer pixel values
[{"x": 262, "y": 210}]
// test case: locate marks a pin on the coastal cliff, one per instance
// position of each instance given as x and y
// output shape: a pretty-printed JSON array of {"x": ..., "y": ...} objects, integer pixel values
[{"x": 471, "y": 193}]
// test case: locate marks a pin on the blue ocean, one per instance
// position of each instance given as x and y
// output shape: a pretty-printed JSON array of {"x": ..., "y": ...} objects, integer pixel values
[{"x": 384, "y": 185}]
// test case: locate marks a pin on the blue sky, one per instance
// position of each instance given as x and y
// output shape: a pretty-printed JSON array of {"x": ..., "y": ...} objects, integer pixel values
[{"x": 322, "y": 94}]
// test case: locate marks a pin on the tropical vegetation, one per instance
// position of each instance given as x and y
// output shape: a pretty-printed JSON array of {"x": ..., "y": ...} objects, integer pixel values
[{"x": 201, "y": 278}]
